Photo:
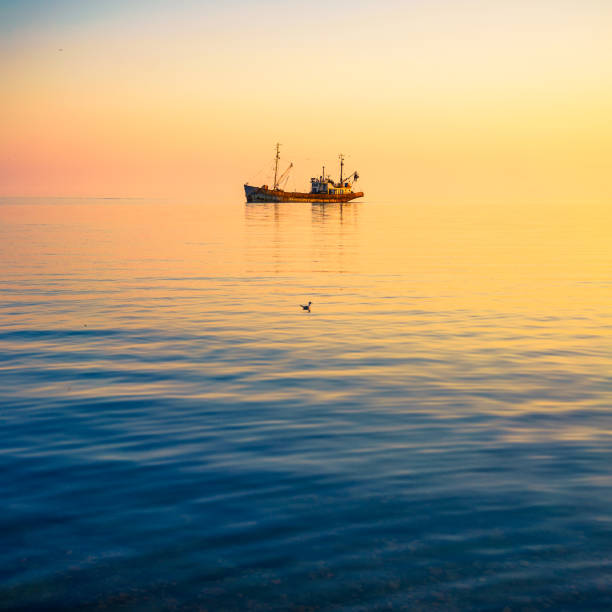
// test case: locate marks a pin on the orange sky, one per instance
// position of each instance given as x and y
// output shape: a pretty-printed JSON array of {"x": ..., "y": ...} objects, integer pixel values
[{"x": 432, "y": 101}]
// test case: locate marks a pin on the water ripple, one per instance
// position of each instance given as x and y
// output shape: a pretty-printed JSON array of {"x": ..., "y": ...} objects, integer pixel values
[{"x": 178, "y": 434}]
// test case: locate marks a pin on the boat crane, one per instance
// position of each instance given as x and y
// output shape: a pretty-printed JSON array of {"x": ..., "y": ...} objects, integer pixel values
[{"x": 285, "y": 175}]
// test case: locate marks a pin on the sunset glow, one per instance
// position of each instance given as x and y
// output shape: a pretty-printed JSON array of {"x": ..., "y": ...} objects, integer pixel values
[{"x": 434, "y": 101}]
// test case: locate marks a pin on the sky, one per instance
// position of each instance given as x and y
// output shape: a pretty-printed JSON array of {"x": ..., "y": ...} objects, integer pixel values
[{"x": 439, "y": 100}]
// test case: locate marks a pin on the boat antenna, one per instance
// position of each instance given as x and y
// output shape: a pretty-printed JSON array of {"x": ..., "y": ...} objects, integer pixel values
[
  {"x": 276, "y": 164},
  {"x": 341, "y": 165}
]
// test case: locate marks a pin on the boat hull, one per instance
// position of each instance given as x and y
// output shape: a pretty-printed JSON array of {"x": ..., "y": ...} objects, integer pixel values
[{"x": 263, "y": 194}]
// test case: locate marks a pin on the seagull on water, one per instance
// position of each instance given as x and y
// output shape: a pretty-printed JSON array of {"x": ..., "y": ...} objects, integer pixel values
[{"x": 306, "y": 307}]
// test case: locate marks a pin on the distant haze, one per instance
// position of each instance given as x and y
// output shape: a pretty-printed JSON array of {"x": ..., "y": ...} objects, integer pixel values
[{"x": 483, "y": 101}]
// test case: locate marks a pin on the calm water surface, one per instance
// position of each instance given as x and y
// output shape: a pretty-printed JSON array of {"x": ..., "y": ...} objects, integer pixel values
[{"x": 177, "y": 434}]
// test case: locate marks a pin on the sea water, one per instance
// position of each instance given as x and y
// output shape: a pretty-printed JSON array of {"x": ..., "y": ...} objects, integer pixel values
[{"x": 178, "y": 434}]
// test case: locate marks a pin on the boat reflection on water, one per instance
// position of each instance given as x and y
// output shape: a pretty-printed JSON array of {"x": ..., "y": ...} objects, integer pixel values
[
  {"x": 340, "y": 213},
  {"x": 311, "y": 236},
  {"x": 283, "y": 212}
]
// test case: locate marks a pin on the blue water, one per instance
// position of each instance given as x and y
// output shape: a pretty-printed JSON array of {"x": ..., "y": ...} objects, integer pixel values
[{"x": 177, "y": 434}]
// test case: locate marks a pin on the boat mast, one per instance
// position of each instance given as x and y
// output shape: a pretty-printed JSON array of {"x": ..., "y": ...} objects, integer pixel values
[
  {"x": 341, "y": 166},
  {"x": 276, "y": 164}
]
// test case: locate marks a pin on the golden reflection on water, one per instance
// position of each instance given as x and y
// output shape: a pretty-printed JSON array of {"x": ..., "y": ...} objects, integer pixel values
[
  {"x": 480, "y": 302},
  {"x": 539, "y": 260},
  {"x": 544, "y": 262}
]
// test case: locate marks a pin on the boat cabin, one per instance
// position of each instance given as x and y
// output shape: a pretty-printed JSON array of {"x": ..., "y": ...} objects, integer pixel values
[{"x": 326, "y": 185}]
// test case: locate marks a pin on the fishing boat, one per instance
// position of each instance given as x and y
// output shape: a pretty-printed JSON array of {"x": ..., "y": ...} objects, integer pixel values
[{"x": 322, "y": 189}]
